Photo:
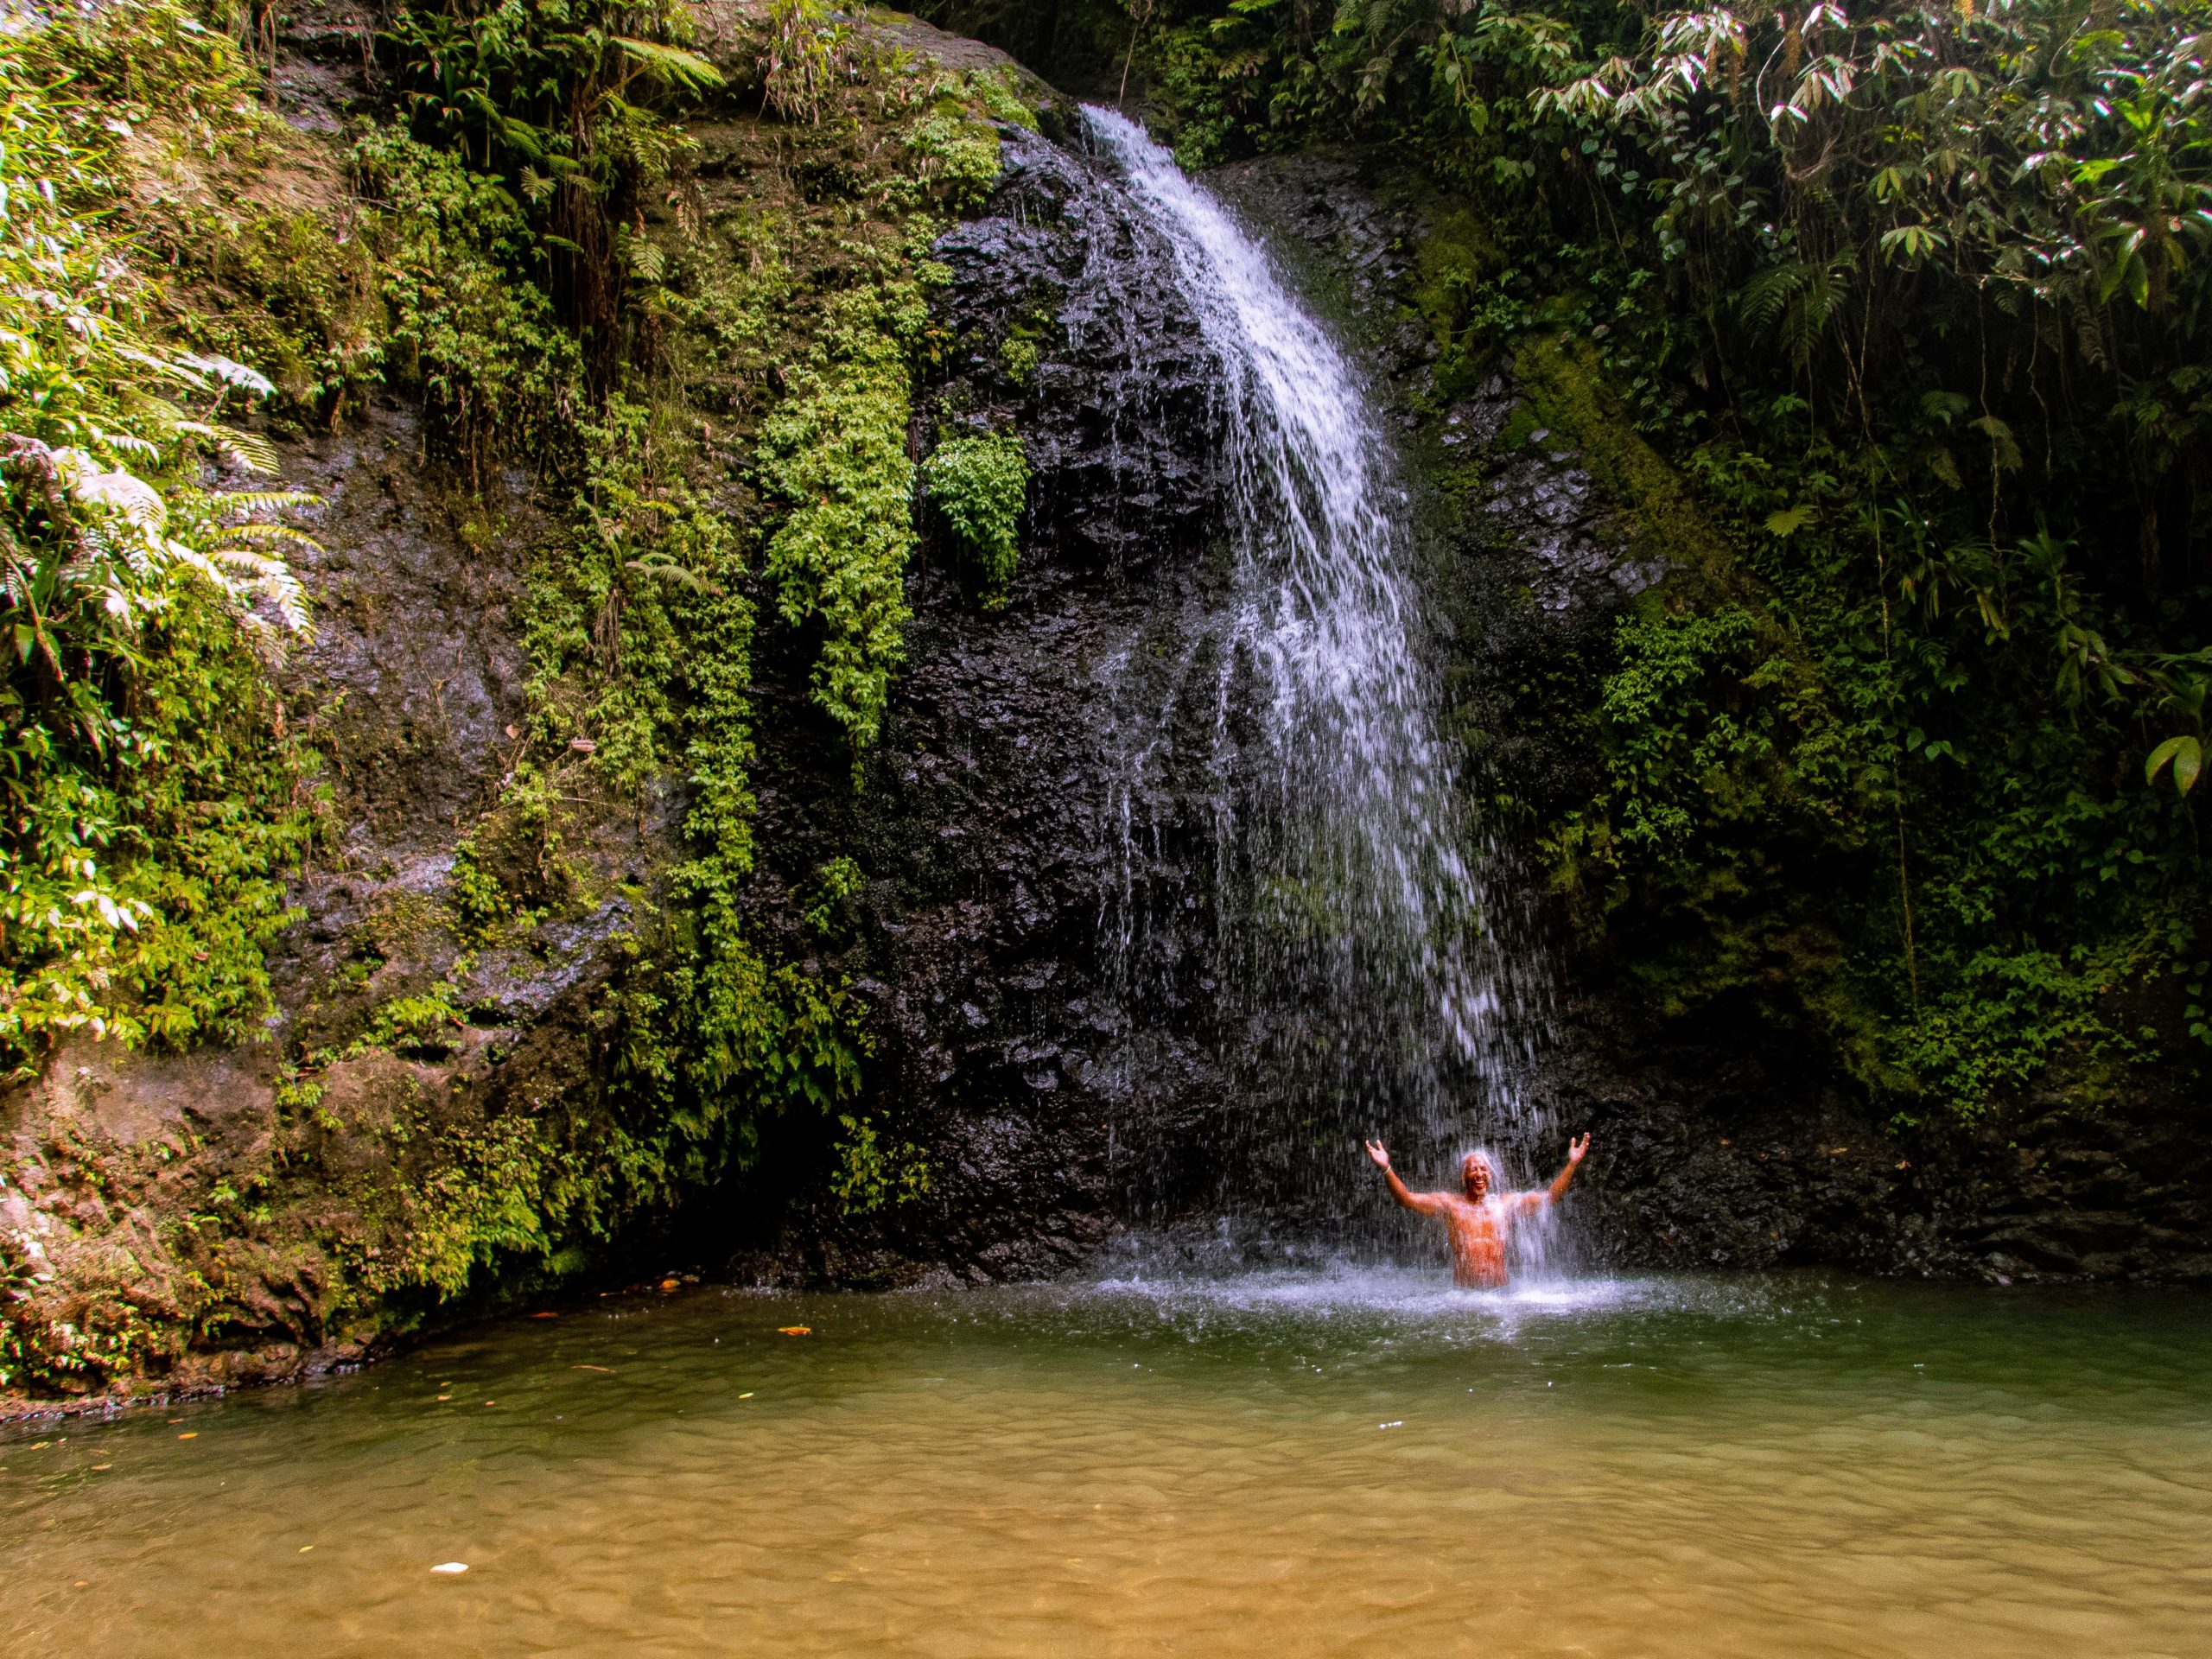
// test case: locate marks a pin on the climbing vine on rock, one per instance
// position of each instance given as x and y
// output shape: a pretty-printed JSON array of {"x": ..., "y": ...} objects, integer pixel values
[{"x": 836, "y": 452}]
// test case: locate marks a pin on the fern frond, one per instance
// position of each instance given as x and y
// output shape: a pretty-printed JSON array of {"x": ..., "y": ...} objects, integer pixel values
[
  {"x": 1760, "y": 304},
  {"x": 673, "y": 64},
  {"x": 237, "y": 501},
  {"x": 268, "y": 535}
]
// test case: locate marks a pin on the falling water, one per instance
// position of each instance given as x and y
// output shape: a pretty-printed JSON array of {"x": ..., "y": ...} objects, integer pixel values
[{"x": 1358, "y": 958}]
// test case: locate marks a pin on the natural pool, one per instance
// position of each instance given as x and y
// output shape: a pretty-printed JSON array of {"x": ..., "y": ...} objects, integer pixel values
[{"x": 1348, "y": 1463}]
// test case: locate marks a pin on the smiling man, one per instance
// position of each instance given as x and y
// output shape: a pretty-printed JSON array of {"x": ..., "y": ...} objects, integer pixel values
[{"x": 1478, "y": 1219}]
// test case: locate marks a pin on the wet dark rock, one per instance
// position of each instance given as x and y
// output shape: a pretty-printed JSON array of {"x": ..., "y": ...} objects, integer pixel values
[
  {"x": 983, "y": 821},
  {"x": 994, "y": 856},
  {"x": 1119, "y": 415},
  {"x": 1717, "y": 1154},
  {"x": 984, "y": 825}
]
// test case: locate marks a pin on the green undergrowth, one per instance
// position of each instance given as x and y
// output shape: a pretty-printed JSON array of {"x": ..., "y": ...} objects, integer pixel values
[
  {"x": 1776, "y": 819},
  {"x": 154, "y": 799},
  {"x": 706, "y": 376}
]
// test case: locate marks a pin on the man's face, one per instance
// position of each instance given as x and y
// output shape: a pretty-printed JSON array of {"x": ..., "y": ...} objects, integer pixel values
[{"x": 1476, "y": 1171}]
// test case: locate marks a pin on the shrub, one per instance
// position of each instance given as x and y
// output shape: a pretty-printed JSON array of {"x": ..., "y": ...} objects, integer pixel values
[{"x": 980, "y": 486}]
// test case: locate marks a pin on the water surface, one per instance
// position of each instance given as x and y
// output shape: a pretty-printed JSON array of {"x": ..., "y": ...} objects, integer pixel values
[{"x": 1350, "y": 1463}]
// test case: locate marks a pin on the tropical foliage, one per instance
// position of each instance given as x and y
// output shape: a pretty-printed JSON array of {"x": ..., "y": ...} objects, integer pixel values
[
  {"x": 665, "y": 428},
  {"x": 149, "y": 790},
  {"x": 549, "y": 97},
  {"x": 1916, "y": 296}
]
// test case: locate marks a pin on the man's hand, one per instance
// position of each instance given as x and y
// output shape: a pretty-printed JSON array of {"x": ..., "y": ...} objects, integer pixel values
[
  {"x": 1577, "y": 1150},
  {"x": 1381, "y": 1158}
]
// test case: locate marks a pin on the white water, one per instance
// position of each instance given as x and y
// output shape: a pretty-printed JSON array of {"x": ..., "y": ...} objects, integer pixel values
[{"x": 1348, "y": 893}]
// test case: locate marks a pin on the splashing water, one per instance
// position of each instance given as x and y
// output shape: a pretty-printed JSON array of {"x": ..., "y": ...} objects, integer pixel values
[{"x": 1356, "y": 951}]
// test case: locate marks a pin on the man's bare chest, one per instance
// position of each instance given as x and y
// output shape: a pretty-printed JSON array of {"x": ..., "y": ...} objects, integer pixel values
[{"x": 1484, "y": 1222}]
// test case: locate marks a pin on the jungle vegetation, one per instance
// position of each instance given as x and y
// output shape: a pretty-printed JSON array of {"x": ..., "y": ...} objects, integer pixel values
[
  {"x": 709, "y": 399},
  {"x": 1917, "y": 300}
]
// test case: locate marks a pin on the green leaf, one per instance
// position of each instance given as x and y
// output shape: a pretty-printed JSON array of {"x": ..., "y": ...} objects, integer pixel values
[
  {"x": 2188, "y": 757},
  {"x": 686, "y": 69},
  {"x": 2004, "y": 448},
  {"x": 1790, "y": 521}
]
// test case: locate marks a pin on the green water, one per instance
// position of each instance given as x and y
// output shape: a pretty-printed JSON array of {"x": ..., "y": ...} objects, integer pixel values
[{"x": 1342, "y": 1464}]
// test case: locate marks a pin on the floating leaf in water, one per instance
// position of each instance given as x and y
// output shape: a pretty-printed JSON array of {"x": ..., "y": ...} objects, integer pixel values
[{"x": 794, "y": 1329}]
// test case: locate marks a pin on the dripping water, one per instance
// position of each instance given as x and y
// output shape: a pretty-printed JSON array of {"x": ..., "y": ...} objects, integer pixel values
[{"x": 1281, "y": 775}]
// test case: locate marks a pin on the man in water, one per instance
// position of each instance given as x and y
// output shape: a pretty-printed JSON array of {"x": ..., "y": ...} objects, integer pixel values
[{"x": 1479, "y": 1219}]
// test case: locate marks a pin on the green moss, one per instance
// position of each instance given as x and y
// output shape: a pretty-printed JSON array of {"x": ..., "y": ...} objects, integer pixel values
[
  {"x": 956, "y": 158},
  {"x": 1463, "y": 291},
  {"x": 1565, "y": 389},
  {"x": 1521, "y": 427},
  {"x": 999, "y": 97}
]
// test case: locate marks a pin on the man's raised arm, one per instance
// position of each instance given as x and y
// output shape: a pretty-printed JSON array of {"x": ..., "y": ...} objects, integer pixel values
[
  {"x": 1576, "y": 1152},
  {"x": 1425, "y": 1203}
]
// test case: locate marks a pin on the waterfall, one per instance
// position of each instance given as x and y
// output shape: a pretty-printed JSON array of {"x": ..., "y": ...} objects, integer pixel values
[{"x": 1358, "y": 961}]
